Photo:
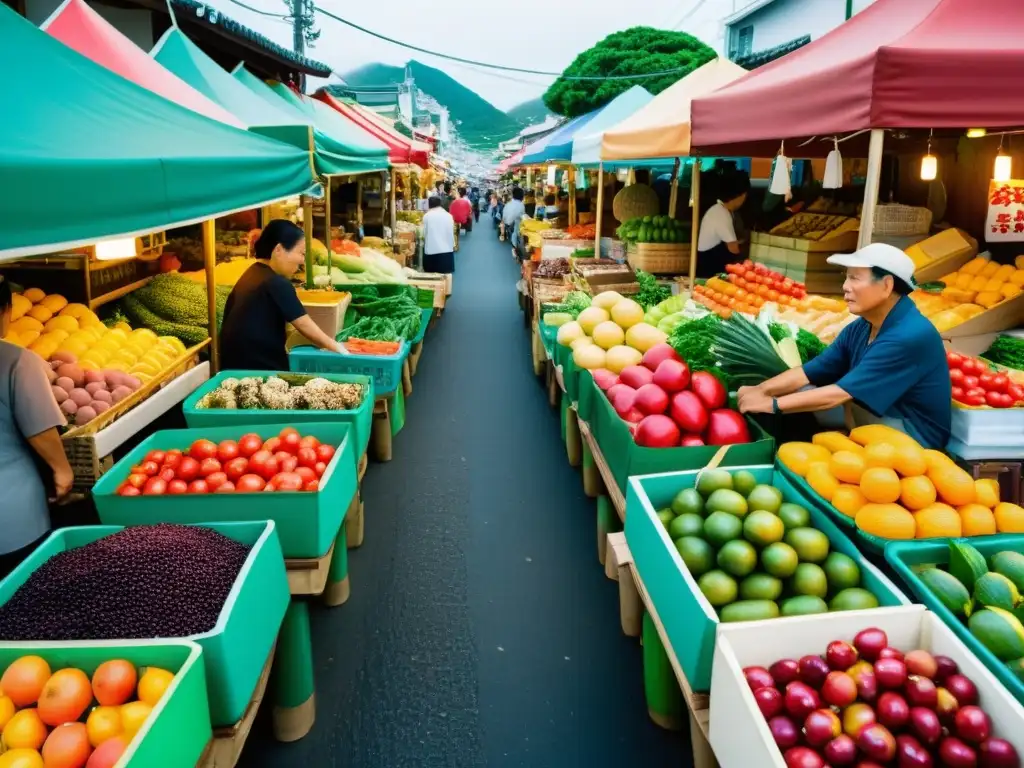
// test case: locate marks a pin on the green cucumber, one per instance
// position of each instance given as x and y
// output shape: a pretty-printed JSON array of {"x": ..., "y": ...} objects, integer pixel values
[
  {"x": 749, "y": 610},
  {"x": 999, "y": 631},
  {"x": 995, "y": 590},
  {"x": 1010, "y": 565},
  {"x": 966, "y": 563},
  {"x": 949, "y": 591}
]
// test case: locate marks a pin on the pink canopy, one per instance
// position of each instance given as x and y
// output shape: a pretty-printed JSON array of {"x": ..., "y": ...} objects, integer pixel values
[
  {"x": 896, "y": 64},
  {"x": 511, "y": 160},
  {"x": 81, "y": 28}
]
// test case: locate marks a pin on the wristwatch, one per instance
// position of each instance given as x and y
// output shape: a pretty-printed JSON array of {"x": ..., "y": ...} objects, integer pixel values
[{"x": 775, "y": 406}]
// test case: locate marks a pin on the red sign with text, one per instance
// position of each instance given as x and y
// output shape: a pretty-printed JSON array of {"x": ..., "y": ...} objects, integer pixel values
[{"x": 1005, "y": 220}]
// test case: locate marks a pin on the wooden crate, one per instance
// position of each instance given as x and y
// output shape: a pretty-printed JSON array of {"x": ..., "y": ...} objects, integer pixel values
[{"x": 659, "y": 258}]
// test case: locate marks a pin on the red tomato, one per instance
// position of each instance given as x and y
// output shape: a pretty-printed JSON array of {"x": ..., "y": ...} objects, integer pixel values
[
  {"x": 985, "y": 380},
  {"x": 175, "y": 453},
  {"x": 953, "y": 360},
  {"x": 227, "y": 450},
  {"x": 956, "y": 375},
  {"x": 198, "y": 486},
  {"x": 177, "y": 487},
  {"x": 188, "y": 470},
  {"x": 249, "y": 444},
  {"x": 202, "y": 449},
  {"x": 970, "y": 382},
  {"x": 129, "y": 490},
  {"x": 235, "y": 468},
  {"x": 155, "y": 486},
  {"x": 166, "y": 474},
  {"x": 263, "y": 464},
  {"x": 320, "y": 468},
  {"x": 306, "y": 474},
  {"x": 225, "y": 487},
  {"x": 137, "y": 479},
  {"x": 287, "y": 481},
  {"x": 958, "y": 393},
  {"x": 273, "y": 445},
  {"x": 1016, "y": 391},
  {"x": 325, "y": 453},
  {"x": 288, "y": 431},
  {"x": 250, "y": 484},
  {"x": 974, "y": 396},
  {"x": 1000, "y": 383},
  {"x": 308, "y": 442},
  {"x": 307, "y": 457},
  {"x": 215, "y": 480},
  {"x": 148, "y": 468},
  {"x": 172, "y": 460},
  {"x": 312, "y": 486},
  {"x": 282, "y": 455},
  {"x": 208, "y": 467},
  {"x": 157, "y": 457},
  {"x": 290, "y": 442},
  {"x": 972, "y": 367},
  {"x": 289, "y": 464},
  {"x": 998, "y": 400}
]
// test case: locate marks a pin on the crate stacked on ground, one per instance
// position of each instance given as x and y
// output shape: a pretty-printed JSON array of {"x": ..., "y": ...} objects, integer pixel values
[{"x": 799, "y": 247}]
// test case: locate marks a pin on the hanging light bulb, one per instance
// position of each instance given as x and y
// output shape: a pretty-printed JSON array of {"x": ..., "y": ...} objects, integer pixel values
[
  {"x": 1004, "y": 164},
  {"x": 975, "y": 133},
  {"x": 929, "y": 163}
]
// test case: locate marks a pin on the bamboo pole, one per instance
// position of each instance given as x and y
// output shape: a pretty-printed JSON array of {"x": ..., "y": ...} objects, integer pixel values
[
  {"x": 209, "y": 229},
  {"x": 572, "y": 195},
  {"x": 695, "y": 219},
  {"x": 600, "y": 210},
  {"x": 871, "y": 183},
  {"x": 327, "y": 212},
  {"x": 307, "y": 228},
  {"x": 392, "y": 207},
  {"x": 673, "y": 198}
]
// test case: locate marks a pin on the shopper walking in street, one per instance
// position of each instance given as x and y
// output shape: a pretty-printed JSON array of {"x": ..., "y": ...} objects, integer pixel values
[
  {"x": 511, "y": 217},
  {"x": 474, "y": 200},
  {"x": 462, "y": 211},
  {"x": 29, "y": 418},
  {"x": 438, "y": 238}
]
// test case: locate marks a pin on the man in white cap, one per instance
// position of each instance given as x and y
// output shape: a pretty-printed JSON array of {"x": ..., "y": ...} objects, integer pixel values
[{"x": 889, "y": 364}]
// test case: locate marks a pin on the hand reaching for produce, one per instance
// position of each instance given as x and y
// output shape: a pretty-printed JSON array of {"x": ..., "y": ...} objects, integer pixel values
[
  {"x": 754, "y": 400},
  {"x": 63, "y": 479}
]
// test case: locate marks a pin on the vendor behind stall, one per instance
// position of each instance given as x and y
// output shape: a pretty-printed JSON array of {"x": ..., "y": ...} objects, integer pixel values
[
  {"x": 253, "y": 335},
  {"x": 29, "y": 417},
  {"x": 717, "y": 243},
  {"x": 889, "y": 365}
]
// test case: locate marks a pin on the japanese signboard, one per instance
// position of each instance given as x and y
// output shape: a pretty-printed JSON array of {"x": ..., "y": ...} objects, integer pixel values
[{"x": 1005, "y": 220}]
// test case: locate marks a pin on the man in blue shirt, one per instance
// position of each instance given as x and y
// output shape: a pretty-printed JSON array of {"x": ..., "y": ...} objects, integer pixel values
[{"x": 889, "y": 364}]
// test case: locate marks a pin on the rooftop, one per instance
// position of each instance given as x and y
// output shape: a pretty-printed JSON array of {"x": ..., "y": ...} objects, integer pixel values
[
  {"x": 742, "y": 13},
  {"x": 760, "y": 58}
]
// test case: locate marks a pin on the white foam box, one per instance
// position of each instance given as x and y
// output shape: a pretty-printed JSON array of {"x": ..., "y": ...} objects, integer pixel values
[{"x": 738, "y": 733}]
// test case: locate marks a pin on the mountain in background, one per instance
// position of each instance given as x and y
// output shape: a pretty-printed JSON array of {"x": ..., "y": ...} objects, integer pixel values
[
  {"x": 478, "y": 122},
  {"x": 530, "y": 112}
]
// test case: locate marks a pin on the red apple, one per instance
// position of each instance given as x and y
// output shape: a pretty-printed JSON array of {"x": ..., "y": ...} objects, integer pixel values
[
  {"x": 604, "y": 378},
  {"x": 784, "y": 731},
  {"x": 659, "y": 353},
  {"x": 925, "y": 725},
  {"x": 890, "y": 673},
  {"x": 615, "y": 389},
  {"x": 840, "y": 655},
  {"x": 972, "y": 724},
  {"x": 946, "y": 706},
  {"x": 651, "y": 399},
  {"x": 821, "y": 726},
  {"x": 769, "y": 701},
  {"x": 672, "y": 376},
  {"x": 842, "y": 750},
  {"x": 813, "y": 671},
  {"x": 955, "y": 754},
  {"x": 657, "y": 431},
  {"x": 801, "y": 700},
  {"x": 962, "y": 688},
  {"x": 785, "y": 672},
  {"x": 689, "y": 412},
  {"x": 758, "y": 677},
  {"x": 839, "y": 690},
  {"x": 870, "y": 642},
  {"x": 892, "y": 710},
  {"x": 998, "y": 753},
  {"x": 624, "y": 401},
  {"x": 876, "y": 742},
  {"x": 691, "y": 441},
  {"x": 890, "y": 653},
  {"x": 856, "y": 717},
  {"x": 863, "y": 675},
  {"x": 636, "y": 376},
  {"x": 911, "y": 754},
  {"x": 921, "y": 692},
  {"x": 946, "y": 667},
  {"x": 802, "y": 757},
  {"x": 921, "y": 663}
]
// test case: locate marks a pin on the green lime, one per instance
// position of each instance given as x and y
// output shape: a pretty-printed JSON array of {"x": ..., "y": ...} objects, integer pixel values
[
  {"x": 718, "y": 587},
  {"x": 842, "y": 571},
  {"x": 724, "y": 500},
  {"x": 762, "y": 528},
  {"x": 666, "y": 516},
  {"x": 779, "y": 560},
  {"x": 721, "y": 527},
  {"x": 688, "y": 501},
  {"x": 853, "y": 599},
  {"x": 794, "y": 516},
  {"x": 811, "y": 545},
  {"x": 697, "y": 554},
  {"x": 738, "y": 558},
  {"x": 686, "y": 525},
  {"x": 712, "y": 480},
  {"x": 765, "y": 497},
  {"x": 809, "y": 579},
  {"x": 743, "y": 482},
  {"x": 760, "y": 586},
  {"x": 803, "y": 605}
]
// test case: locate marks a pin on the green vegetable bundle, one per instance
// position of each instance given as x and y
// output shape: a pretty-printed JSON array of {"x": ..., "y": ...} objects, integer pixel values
[
  {"x": 693, "y": 341},
  {"x": 171, "y": 305},
  {"x": 650, "y": 293},
  {"x": 371, "y": 329},
  {"x": 746, "y": 352},
  {"x": 400, "y": 308},
  {"x": 575, "y": 302},
  {"x": 1007, "y": 351}
]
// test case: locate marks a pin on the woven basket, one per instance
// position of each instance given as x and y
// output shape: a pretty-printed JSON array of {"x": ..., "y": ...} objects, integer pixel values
[
  {"x": 659, "y": 258},
  {"x": 894, "y": 219}
]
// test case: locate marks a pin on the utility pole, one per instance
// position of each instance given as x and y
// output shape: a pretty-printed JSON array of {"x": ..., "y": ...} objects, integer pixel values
[{"x": 299, "y": 10}]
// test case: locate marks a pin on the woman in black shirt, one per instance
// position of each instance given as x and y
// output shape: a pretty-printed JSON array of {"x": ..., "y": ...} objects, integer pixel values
[{"x": 263, "y": 302}]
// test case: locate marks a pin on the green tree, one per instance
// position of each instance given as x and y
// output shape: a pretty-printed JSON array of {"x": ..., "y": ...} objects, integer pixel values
[{"x": 631, "y": 52}]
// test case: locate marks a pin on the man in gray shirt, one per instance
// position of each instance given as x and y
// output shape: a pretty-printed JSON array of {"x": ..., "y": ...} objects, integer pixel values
[
  {"x": 511, "y": 216},
  {"x": 29, "y": 417}
]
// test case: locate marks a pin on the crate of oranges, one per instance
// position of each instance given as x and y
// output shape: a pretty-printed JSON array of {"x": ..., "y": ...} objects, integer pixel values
[
  {"x": 882, "y": 483},
  {"x": 103, "y": 704}
]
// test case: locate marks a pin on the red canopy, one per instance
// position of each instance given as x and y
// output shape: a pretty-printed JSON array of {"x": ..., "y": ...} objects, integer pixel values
[
  {"x": 400, "y": 148},
  {"x": 511, "y": 160},
  {"x": 81, "y": 28},
  {"x": 896, "y": 64}
]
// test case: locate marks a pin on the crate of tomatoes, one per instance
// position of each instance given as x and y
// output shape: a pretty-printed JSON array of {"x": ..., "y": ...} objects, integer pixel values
[
  {"x": 231, "y": 474},
  {"x": 988, "y": 403}
]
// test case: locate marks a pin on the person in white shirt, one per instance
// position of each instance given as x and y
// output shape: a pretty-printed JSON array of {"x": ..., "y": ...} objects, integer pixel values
[
  {"x": 717, "y": 243},
  {"x": 438, "y": 238},
  {"x": 511, "y": 216}
]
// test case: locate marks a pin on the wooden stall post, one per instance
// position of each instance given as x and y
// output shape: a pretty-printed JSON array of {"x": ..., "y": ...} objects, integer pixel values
[
  {"x": 572, "y": 195},
  {"x": 600, "y": 210},
  {"x": 327, "y": 211},
  {"x": 673, "y": 198},
  {"x": 307, "y": 227},
  {"x": 871, "y": 182},
  {"x": 694, "y": 219},
  {"x": 391, "y": 207},
  {"x": 209, "y": 229},
  {"x": 359, "y": 203}
]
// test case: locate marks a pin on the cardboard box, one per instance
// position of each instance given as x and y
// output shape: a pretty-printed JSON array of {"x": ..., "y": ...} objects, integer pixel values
[{"x": 941, "y": 254}]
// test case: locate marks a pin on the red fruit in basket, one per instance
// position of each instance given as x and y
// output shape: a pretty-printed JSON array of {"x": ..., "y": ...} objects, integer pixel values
[
  {"x": 842, "y": 750},
  {"x": 689, "y": 412},
  {"x": 156, "y": 456},
  {"x": 307, "y": 457},
  {"x": 289, "y": 463},
  {"x": 263, "y": 464},
  {"x": 226, "y": 487},
  {"x": 890, "y": 653},
  {"x": 784, "y": 672},
  {"x": 784, "y": 731},
  {"x": 604, "y": 378},
  {"x": 287, "y": 481},
  {"x": 691, "y": 441},
  {"x": 281, "y": 455},
  {"x": 216, "y": 479},
  {"x": 208, "y": 467},
  {"x": 672, "y": 376},
  {"x": 758, "y": 677},
  {"x": 890, "y": 673},
  {"x": 945, "y": 667},
  {"x": 147, "y": 468},
  {"x": 202, "y": 449},
  {"x": 911, "y": 754},
  {"x": 769, "y": 701},
  {"x": 997, "y": 753},
  {"x": 188, "y": 469},
  {"x": 177, "y": 486},
  {"x": 839, "y": 690},
  {"x": 856, "y": 717},
  {"x": 813, "y": 671},
  {"x": 634, "y": 377},
  {"x": 198, "y": 486},
  {"x": 840, "y": 655},
  {"x": 615, "y": 389},
  {"x": 972, "y": 724},
  {"x": 863, "y": 675},
  {"x": 107, "y": 754},
  {"x": 962, "y": 689},
  {"x": 709, "y": 389},
  {"x": 876, "y": 742},
  {"x": 312, "y": 486},
  {"x": 651, "y": 399},
  {"x": 287, "y": 431},
  {"x": 128, "y": 490},
  {"x": 921, "y": 692},
  {"x": 659, "y": 353},
  {"x": 227, "y": 450},
  {"x": 946, "y": 706},
  {"x": 801, "y": 700},
  {"x": 172, "y": 459},
  {"x": 235, "y": 468},
  {"x": 921, "y": 663},
  {"x": 166, "y": 474},
  {"x": 925, "y": 725},
  {"x": 320, "y": 468},
  {"x": 821, "y": 726},
  {"x": 249, "y": 444},
  {"x": 325, "y": 453},
  {"x": 624, "y": 401},
  {"x": 657, "y": 431},
  {"x": 155, "y": 486},
  {"x": 307, "y": 474},
  {"x": 136, "y": 479},
  {"x": 290, "y": 442},
  {"x": 250, "y": 484},
  {"x": 273, "y": 445},
  {"x": 892, "y": 710},
  {"x": 803, "y": 757},
  {"x": 309, "y": 442},
  {"x": 955, "y": 754},
  {"x": 870, "y": 642}
]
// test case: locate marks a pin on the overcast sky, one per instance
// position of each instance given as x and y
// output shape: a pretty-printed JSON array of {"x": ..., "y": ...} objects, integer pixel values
[{"x": 533, "y": 34}]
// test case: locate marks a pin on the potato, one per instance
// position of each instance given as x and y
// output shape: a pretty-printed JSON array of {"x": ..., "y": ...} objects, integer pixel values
[
  {"x": 102, "y": 396},
  {"x": 64, "y": 383},
  {"x": 99, "y": 406},
  {"x": 132, "y": 382},
  {"x": 120, "y": 393},
  {"x": 63, "y": 357},
  {"x": 85, "y": 414},
  {"x": 73, "y": 372},
  {"x": 96, "y": 377},
  {"x": 59, "y": 394},
  {"x": 80, "y": 396},
  {"x": 95, "y": 386},
  {"x": 69, "y": 406}
]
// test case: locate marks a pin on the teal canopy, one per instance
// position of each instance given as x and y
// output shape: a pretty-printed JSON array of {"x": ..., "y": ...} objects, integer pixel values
[
  {"x": 92, "y": 156},
  {"x": 556, "y": 146},
  {"x": 586, "y": 143},
  {"x": 342, "y": 148}
]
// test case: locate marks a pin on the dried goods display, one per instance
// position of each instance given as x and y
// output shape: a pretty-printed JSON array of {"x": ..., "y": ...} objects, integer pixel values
[
  {"x": 284, "y": 391},
  {"x": 816, "y": 226},
  {"x": 551, "y": 268}
]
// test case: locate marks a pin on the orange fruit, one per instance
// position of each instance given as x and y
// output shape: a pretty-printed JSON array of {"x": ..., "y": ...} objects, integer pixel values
[
  {"x": 847, "y": 466},
  {"x": 880, "y": 485},
  {"x": 848, "y": 499},
  {"x": 25, "y": 730},
  {"x": 821, "y": 479},
  {"x": 798, "y": 456},
  {"x": 938, "y": 521},
  {"x": 986, "y": 492},
  {"x": 133, "y": 715},
  {"x": 113, "y": 682},
  {"x": 916, "y": 493},
  {"x": 67, "y": 746},
  {"x": 7, "y": 710},
  {"x": 66, "y": 695},
  {"x": 880, "y": 455},
  {"x": 977, "y": 520},
  {"x": 1009, "y": 518},
  {"x": 21, "y": 758},
  {"x": 954, "y": 485},
  {"x": 103, "y": 723},
  {"x": 935, "y": 459},
  {"x": 24, "y": 679},
  {"x": 108, "y": 753},
  {"x": 153, "y": 684},
  {"x": 889, "y": 521},
  {"x": 909, "y": 461}
]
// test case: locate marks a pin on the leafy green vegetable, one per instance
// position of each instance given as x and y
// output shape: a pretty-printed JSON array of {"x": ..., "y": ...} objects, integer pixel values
[
  {"x": 371, "y": 329},
  {"x": 810, "y": 346},
  {"x": 1008, "y": 351},
  {"x": 650, "y": 292},
  {"x": 746, "y": 352},
  {"x": 778, "y": 331},
  {"x": 693, "y": 341},
  {"x": 575, "y": 302}
]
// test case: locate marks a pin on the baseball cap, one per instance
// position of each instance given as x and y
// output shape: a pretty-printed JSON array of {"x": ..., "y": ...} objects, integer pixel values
[{"x": 881, "y": 255}]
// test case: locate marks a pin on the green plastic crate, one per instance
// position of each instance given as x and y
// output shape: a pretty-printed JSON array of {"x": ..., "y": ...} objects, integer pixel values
[
  {"x": 425, "y": 315},
  {"x": 236, "y": 649},
  {"x": 908, "y": 557},
  {"x": 386, "y": 370},
  {"x": 307, "y": 523},
  {"x": 689, "y": 619},
  {"x": 625, "y": 458},
  {"x": 548, "y": 335},
  {"x": 178, "y": 729},
  {"x": 587, "y": 393},
  {"x": 361, "y": 418}
]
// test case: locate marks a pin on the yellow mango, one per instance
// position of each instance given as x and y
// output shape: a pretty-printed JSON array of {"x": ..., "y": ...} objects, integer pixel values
[
  {"x": 1004, "y": 273},
  {"x": 1017, "y": 278},
  {"x": 20, "y": 306},
  {"x": 993, "y": 284},
  {"x": 1009, "y": 290},
  {"x": 989, "y": 299},
  {"x": 54, "y": 302},
  {"x": 34, "y": 295},
  {"x": 963, "y": 280},
  {"x": 978, "y": 283},
  {"x": 974, "y": 266},
  {"x": 989, "y": 269}
]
